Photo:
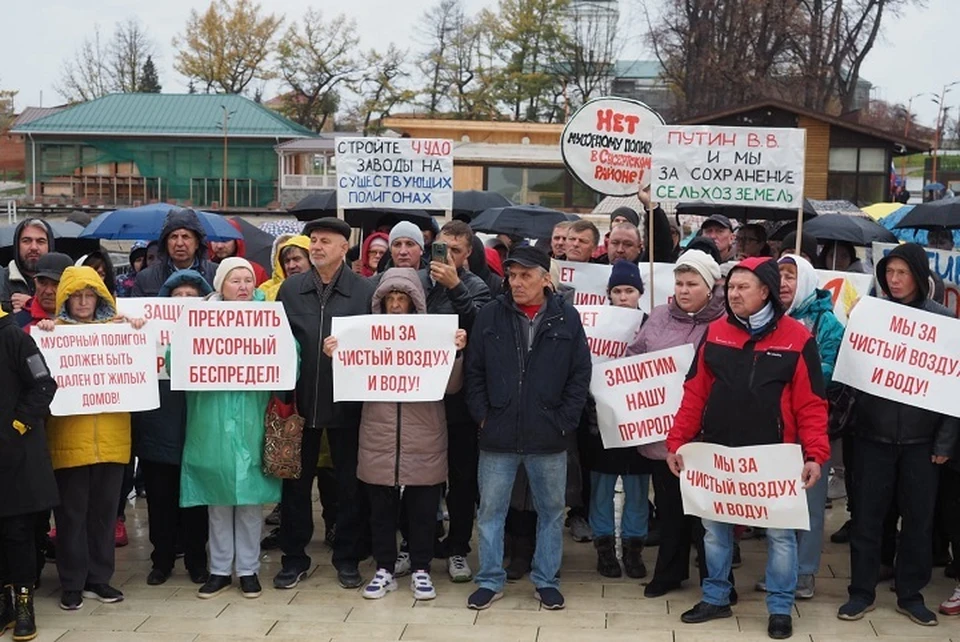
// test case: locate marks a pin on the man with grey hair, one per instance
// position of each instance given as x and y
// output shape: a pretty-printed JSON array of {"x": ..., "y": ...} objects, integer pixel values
[{"x": 32, "y": 238}]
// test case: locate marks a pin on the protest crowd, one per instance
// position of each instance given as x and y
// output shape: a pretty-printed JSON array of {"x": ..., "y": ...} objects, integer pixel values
[{"x": 502, "y": 418}]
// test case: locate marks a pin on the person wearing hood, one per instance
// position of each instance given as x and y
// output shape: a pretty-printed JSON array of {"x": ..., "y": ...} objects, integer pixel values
[
  {"x": 814, "y": 309},
  {"x": 756, "y": 379},
  {"x": 375, "y": 246},
  {"x": 158, "y": 438},
  {"x": 138, "y": 261},
  {"x": 26, "y": 474},
  {"x": 32, "y": 238},
  {"x": 403, "y": 445},
  {"x": 290, "y": 255},
  {"x": 89, "y": 453},
  {"x": 697, "y": 301},
  {"x": 899, "y": 449},
  {"x": 485, "y": 263},
  {"x": 222, "y": 465},
  {"x": 220, "y": 250},
  {"x": 182, "y": 247}
]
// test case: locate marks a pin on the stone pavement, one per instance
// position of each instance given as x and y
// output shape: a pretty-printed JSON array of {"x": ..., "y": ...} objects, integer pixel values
[{"x": 597, "y": 609}]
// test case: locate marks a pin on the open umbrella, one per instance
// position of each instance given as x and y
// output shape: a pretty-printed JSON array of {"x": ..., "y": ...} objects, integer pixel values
[
  {"x": 65, "y": 240},
  {"x": 853, "y": 229},
  {"x": 145, "y": 222},
  {"x": 746, "y": 213},
  {"x": 933, "y": 187},
  {"x": 282, "y": 226},
  {"x": 469, "y": 203},
  {"x": 933, "y": 215},
  {"x": 321, "y": 203},
  {"x": 879, "y": 211},
  {"x": 528, "y": 221},
  {"x": 259, "y": 244}
]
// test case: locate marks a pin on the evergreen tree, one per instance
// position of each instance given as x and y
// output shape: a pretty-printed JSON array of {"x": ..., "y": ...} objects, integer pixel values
[{"x": 149, "y": 83}]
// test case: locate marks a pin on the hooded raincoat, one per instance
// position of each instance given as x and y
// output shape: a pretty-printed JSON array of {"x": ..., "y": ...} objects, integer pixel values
[
  {"x": 151, "y": 279},
  {"x": 271, "y": 286},
  {"x": 365, "y": 269}
]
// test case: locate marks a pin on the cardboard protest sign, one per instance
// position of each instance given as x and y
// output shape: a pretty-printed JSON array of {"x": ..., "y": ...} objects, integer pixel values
[
  {"x": 751, "y": 166},
  {"x": 637, "y": 397},
  {"x": 945, "y": 263},
  {"x": 402, "y": 173},
  {"x": 903, "y": 354},
  {"x": 752, "y": 485},
  {"x": 393, "y": 357},
  {"x": 589, "y": 281},
  {"x": 162, "y": 314},
  {"x": 844, "y": 288},
  {"x": 606, "y": 145},
  {"x": 240, "y": 345},
  {"x": 609, "y": 329},
  {"x": 102, "y": 367}
]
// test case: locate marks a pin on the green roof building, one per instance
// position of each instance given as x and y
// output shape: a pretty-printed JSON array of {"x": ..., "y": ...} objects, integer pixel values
[{"x": 127, "y": 149}]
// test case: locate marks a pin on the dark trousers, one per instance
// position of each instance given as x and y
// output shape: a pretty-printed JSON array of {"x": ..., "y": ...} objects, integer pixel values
[
  {"x": 169, "y": 523},
  {"x": 463, "y": 456},
  {"x": 676, "y": 529},
  {"x": 421, "y": 504},
  {"x": 296, "y": 506},
  {"x": 907, "y": 474},
  {"x": 18, "y": 552},
  {"x": 86, "y": 518},
  {"x": 327, "y": 487},
  {"x": 948, "y": 502}
]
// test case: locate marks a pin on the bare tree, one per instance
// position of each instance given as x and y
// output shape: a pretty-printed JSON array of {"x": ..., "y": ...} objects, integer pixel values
[
  {"x": 129, "y": 51},
  {"x": 86, "y": 75},
  {"x": 381, "y": 87},
  {"x": 437, "y": 30},
  {"x": 592, "y": 48}
]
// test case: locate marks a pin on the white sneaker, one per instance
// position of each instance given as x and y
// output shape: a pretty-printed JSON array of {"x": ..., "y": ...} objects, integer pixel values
[
  {"x": 402, "y": 565},
  {"x": 836, "y": 487},
  {"x": 381, "y": 584},
  {"x": 459, "y": 569},
  {"x": 422, "y": 586}
]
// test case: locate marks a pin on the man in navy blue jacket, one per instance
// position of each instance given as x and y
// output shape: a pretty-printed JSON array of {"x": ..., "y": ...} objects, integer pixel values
[{"x": 527, "y": 377}]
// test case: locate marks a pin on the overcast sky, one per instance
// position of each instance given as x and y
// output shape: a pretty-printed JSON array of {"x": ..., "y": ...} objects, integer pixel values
[{"x": 916, "y": 53}]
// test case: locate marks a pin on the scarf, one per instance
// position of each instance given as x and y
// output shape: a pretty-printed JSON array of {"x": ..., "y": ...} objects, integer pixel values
[{"x": 759, "y": 321}]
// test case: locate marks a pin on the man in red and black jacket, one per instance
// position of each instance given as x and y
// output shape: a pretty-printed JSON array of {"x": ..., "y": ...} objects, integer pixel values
[{"x": 756, "y": 380}]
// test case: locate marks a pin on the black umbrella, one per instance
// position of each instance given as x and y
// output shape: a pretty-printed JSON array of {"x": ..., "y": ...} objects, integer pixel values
[
  {"x": 471, "y": 202},
  {"x": 745, "y": 212},
  {"x": 944, "y": 213},
  {"x": 853, "y": 229},
  {"x": 259, "y": 244},
  {"x": 64, "y": 240},
  {"x": 527, "y": 221},
  {"x": 319, "y": 204}
]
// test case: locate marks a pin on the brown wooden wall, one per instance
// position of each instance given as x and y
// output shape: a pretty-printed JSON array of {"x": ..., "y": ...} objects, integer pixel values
[
  {"x": 467, "y": 177},
  {"x": 817, "y": 158}
]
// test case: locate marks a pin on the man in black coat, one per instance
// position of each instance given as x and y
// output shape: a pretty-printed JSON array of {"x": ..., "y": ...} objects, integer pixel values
[
  {"x": 311, "y": 300},
  {"x": 183, "y": 245},
  {"x": 32, "y": 238},
  {"x": 26, "y": 474},
  {"x": 527, "y": 376}
]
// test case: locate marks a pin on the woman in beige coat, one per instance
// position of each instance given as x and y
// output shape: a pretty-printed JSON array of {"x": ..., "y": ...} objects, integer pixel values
[{"x": 403, "y": 445}]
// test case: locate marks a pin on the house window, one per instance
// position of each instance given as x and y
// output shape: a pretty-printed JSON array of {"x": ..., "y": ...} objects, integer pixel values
[
  {"x": 539, "y": 186},
  {"x": 859, "y": 175}
]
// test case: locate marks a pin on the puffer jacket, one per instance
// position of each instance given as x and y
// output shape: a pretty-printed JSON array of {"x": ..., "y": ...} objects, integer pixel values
[
  {"x": 890, "y": 422},
  {"x": 405, "y": 444},
  {"x": 83, "y": 440},
  {"x": 271, "y": 286},
  {"x": 151, "y": 279}
]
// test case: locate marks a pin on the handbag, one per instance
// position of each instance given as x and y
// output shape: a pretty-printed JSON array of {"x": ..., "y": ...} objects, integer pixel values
[
  {"x": 282, "y": 440},
  {"x": 840, "y": 400}
]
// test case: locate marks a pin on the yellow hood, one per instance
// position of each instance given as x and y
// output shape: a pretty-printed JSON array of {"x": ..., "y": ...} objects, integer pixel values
[
  {"x": 270, "y": 287},
  {"x": 75, "y": 279}
]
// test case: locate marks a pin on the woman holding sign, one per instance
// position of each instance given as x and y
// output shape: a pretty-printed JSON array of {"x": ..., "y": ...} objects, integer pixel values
[
  {"x": 223, "y": 459},
  {"x": 697, "y": 301}
]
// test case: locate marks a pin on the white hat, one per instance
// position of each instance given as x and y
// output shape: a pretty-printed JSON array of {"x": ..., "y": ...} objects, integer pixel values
[
  {"x": 227, "y": 266},
  {"x": 703, "y": 263}
]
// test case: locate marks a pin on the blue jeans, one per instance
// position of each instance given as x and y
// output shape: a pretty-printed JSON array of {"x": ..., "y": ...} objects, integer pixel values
[
  {"x": 809, "y": 543},
  {"x": 781, "y": 577},
  {"x": 548, "y": 480},
  {"x": 636, "y": 507}
]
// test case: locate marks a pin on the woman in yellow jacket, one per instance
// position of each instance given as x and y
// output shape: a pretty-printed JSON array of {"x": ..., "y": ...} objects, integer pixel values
[
  {"x": 89, "y": 453},
  {"x": 286, "y": 262}
]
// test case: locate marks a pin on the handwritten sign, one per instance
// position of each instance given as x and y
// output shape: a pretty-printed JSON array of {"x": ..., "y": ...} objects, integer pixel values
[
  {"x": 606, "y": 145},
  {"x": 844, "y": 288},
  {"x": 393, "y": 357},
  {"x": 589, "y": 281},
  {"x": 637, "y": 397},
  {"x": 219, "y": 345},
  {"x": 729, "y": 165},
  {"x": 945, "y": 263},
  {"x": 400, "y": 173},
  {"x": 100, "y": 368},
  {"x": 609, "y": 329},
  {"x": 753, "y": 485},
  {"x": 901, "y": 353},
  {"x": 162, "y": 314}
]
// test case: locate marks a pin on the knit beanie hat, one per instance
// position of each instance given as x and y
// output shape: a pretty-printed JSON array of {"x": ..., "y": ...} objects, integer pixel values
[
  {"x": 625, "y": 273},
  {"x": 703, "y": 263},
  {"x": 406, "y": 230},
  {"x": 627, "y": 213},
  {"x": 227, "y": 266}
]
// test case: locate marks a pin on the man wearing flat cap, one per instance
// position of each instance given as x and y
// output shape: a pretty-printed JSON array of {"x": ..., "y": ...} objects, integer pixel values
[
  {"x": 527, "y": 375},
  {"x": 311, "y": 300}
]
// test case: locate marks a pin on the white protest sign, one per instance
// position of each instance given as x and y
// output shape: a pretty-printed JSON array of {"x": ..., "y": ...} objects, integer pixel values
[
  {"x": 844, "y": 288},
  {"x": 162, "y": 313},
  {"x": 606, "y": 145},
  {"x": 589, "y": 281},
  {"x": 102, "y": 367},
  {"x": 402, "y": 173},
  {"x": 752, "y": 485},
  {"x": 239, "y": 345},
  {"x": 609, "y": 329},
  {"x": 637, "y": 397},
  {"x": 393, "y": 357},
  {"x": 945, "y": 263},
  {"x": 752, "y": 166},
  {"x": 903, "y": 354}
]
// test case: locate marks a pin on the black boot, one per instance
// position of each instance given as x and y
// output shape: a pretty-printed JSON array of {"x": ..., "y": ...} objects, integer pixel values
[
  {"x": 521, "y": 557},
  {"x": 607, "y": 563},
  {"x": 26, "y": 625},
  {"x": 7, "y": 614},
  {"x": 632, "y": 557}
]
